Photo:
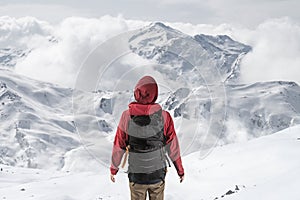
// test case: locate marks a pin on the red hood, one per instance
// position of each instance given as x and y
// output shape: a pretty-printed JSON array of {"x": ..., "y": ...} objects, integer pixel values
[
  {"x": 146, "y": 90},
  {"x": 143, "y": 109}
]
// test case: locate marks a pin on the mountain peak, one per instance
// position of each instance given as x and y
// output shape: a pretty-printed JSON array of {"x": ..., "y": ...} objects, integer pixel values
[
  {"x": 170, "y": 46},
  {"x": 159, "y": 27},
  {"x": 160, "y": 24}
]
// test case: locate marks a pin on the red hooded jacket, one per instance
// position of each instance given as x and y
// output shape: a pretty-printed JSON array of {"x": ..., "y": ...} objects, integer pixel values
[{"x": 145, "y": 93}]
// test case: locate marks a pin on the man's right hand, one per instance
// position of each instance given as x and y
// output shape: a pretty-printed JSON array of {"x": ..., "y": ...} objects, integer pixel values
[
  {"x": 181, "y": 178},
  {"x": 112, "y": 178}
]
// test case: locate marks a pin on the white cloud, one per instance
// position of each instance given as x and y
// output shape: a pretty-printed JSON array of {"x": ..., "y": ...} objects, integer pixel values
[
  {"x": 59, "y": 62},
  {"x": 18, "y": 32},
  {"x": 275, "y": 55},
  {"x": 276, "y": 52}
]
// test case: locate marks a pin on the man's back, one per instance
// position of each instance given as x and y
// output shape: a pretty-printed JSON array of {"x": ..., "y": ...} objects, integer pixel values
[{"x": 147, "y": 132}]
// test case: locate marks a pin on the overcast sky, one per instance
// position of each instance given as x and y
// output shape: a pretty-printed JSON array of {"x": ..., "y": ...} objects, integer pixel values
[{"x": 247, "y": 13}]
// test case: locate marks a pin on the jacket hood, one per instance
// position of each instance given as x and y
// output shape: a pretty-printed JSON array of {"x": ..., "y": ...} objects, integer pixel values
[
  {"x": 143, "y": 109},
  {"x": 146, "y": 90}
]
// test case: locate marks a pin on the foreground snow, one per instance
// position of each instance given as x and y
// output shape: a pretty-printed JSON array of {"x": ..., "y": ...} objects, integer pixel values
[{"x": 264, "y": 168}]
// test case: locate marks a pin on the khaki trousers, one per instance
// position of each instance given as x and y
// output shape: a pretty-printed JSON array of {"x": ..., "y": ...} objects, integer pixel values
[{"x": 139, "y": 191}]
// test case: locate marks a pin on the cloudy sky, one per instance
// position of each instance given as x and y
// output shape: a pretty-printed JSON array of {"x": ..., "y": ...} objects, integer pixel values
[
  {"x": 271, "y": 27},
  {"x": 240, "y": 12}
]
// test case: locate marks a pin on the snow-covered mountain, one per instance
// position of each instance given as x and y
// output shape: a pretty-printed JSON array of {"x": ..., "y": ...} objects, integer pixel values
[
  {"x": 250, "y": 110},
  {"x": 48, "y": 127},
  {"x": 36, "y": 122},
  {"x": 10, "y": 56},
  {"x": 42, "y": 120},
  {"x": 217, "y": 58}
]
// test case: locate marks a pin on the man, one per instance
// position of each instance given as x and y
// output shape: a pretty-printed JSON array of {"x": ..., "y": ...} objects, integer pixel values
[{"x": 146, "y": 132}]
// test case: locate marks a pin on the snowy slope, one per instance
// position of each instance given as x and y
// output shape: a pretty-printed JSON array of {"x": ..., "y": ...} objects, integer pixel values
[
  {"x": 263, "y": 108},
  {"x": 36, "y": 122},
  {"x": 10, "y": 56},
  {"x": 250, "y": 111},
  {"x": 263, "y": 168}
]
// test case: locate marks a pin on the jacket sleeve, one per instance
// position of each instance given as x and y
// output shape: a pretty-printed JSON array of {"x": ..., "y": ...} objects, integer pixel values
[
  {"x": 172, "y": 145},
  {"x": 119, "y": 144}
]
